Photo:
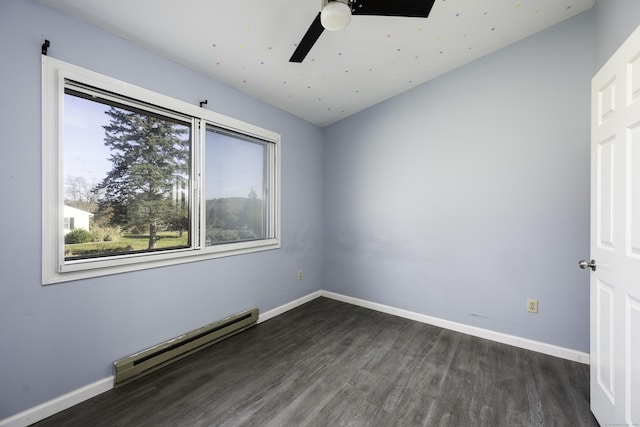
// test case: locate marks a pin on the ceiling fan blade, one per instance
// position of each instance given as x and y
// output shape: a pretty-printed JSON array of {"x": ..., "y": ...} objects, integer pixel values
[
  {"x": 307, "y": 42},
  {"x": 408, "y": 8}
]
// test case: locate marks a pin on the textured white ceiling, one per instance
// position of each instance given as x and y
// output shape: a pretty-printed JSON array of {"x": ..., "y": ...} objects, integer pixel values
[{"x": 247, "y": 44}]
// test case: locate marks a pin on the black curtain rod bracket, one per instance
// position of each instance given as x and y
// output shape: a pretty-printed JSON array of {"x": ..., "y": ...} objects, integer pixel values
[
  {"x": 203, "y": 103},
  {"x": 45, "y": 46}
]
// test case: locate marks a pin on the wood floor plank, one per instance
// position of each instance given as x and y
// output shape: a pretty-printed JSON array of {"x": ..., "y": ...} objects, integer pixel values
[{"x": 328, "y": 363}]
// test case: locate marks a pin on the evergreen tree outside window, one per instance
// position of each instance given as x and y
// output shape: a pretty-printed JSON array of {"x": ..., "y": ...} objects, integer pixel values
[{"x": 144, "y": 197}]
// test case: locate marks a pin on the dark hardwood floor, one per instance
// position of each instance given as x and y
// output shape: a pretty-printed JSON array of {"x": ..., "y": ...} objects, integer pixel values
[{"x": 328, "y": 363}]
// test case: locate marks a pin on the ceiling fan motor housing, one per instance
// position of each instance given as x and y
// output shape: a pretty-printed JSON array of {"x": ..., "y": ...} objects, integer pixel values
[{"x": 335, "y": 15}]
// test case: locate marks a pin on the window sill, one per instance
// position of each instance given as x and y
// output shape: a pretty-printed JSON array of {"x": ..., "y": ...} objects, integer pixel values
[{"x": 98, "y": 268}]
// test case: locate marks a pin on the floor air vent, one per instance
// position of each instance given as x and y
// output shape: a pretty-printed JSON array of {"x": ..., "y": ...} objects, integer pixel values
[{"x": 165, "y": 353}]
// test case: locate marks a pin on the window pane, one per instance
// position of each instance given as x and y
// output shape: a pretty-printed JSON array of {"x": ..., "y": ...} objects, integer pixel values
[
  {"x": 236, "y": 188},
  {"x": 126, "y": 179}
]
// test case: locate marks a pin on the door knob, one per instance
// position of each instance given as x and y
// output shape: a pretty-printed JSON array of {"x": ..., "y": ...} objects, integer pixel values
[{"x": 584, "y": 264}]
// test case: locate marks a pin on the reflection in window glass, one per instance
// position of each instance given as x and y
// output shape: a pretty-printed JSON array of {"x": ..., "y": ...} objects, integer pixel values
[{"x": 236, "y": 188}]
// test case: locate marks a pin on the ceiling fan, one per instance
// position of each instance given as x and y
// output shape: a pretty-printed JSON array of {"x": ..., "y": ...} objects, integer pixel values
[{"x": 336, "y": 15}]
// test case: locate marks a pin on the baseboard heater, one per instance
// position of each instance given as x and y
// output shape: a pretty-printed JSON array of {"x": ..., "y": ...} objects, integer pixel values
[{"x": 163, "y": 354}]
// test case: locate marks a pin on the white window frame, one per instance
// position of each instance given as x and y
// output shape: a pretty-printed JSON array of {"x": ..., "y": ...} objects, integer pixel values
[{"x": 54, "y": 267}]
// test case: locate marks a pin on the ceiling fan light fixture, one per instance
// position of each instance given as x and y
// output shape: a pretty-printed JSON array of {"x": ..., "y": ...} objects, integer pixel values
[{"x": 335, "y": 16}]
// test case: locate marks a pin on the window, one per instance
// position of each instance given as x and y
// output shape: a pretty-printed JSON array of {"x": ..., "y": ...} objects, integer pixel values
[
  {"x": 69, "y": 224},
  {"x": 153, "y": 181}
]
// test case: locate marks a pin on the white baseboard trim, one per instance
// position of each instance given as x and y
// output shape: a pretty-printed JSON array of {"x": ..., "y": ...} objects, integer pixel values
[
  {"x": 46, "y": 409},
  {"x": 59, "y": 404},
  {"x": 540, "y": 347},
  {"x": 286, "y": 307}
]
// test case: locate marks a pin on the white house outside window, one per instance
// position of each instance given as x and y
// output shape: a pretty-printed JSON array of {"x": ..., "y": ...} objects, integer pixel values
[{"x": 75, "y": 218}]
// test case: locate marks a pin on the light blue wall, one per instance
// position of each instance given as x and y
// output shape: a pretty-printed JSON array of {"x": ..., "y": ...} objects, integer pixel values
[
  {"x": 57, "y": 338},
  {"x": 615, "y": 21},
  {"x": 469, "y": 194},
  {"x": 459, "y": 199}
]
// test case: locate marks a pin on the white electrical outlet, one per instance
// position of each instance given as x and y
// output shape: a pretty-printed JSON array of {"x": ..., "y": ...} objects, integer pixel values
[
  {"x": 532, "y": 305},
  {"x": 299, "y": 274}
]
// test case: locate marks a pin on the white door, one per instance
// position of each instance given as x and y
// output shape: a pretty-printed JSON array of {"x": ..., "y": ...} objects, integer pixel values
[{"x": 615, "y": 238}]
